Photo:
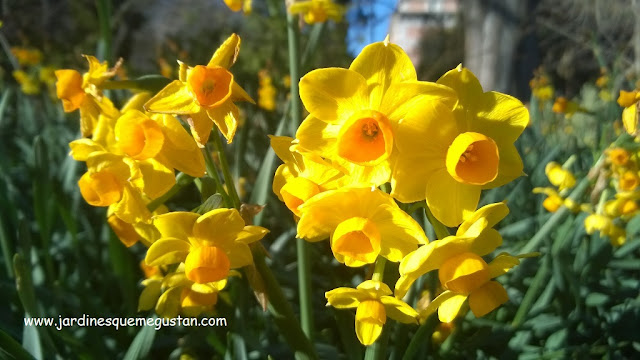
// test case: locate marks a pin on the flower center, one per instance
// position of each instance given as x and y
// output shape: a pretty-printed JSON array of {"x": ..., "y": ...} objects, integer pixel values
[
  {"x": 473, "y": 159},
  {"x": 101, "y": 188},
  {"x": 210, "y": 85},
  {"x": 356, "y": 241},
  {"x": 296, "y": 191},
  {"x": 138, "y": 136},
  {"x": 206, "y": 264},
  {"x": 464, "y": 273},
  {"x": 366, "y": 138}
]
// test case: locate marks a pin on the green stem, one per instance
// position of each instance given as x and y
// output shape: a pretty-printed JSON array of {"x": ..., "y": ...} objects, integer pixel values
[
  {"x": 293, "y": 37},
  {"x": 304, "y": 262},
  {"x": 304, "y": 286},
  {"x": 226, "y": 172},
  {"x": 378, "y": 349},
  {"x": 378, "y": 270},
  {"x": 441, "y": 230},
  {"x": 603, "y": 199},
  {"x": 182, "y": 180},
  {"x": 104, "y": 18},
  {"x": 213, "y": 173},
  {"x": 282, "y": 312}
]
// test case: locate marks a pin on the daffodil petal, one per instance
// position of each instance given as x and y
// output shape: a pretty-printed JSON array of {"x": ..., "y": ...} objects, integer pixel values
[
  {"x": 368, "y": 332},
  {"x": 344, "y": 298},
  {"x": 487, "y": 298},
  {"x": 435, "y": 304},
  {"x": 132, "y": 208},
  {"x": 485, "y": 217},
  {"x": 450, "y": 308},
  {"x": 167, "y": 251},
  {"x": 177, "y": 224},
  {"x": 500, "y": 117},
  {"x": 175, "y": 98},
  {"x": 382, "y": 64},
  {"x": 281, "y": 146},
  {"x": 333, "y": 94},
  {"x": 82, "y": 148},
  {"x": 238, "y": 94},
  {"x": 158, "y": 178},
  {"x": 220, "y": 224},
  {"x": 401, "y": 233},
  {"x": 408, "y": 181},
  {"x": 318, "y": 136},
  {"x": 399, "y": 310},
  {"x": 486, "y": 242},
  {"x": 149, "y": 295},
  {"x": 168, "y": 305},
  {"x": 450, "y": 200},
  {"x": 502, "y": 264},
  {"x": 415, "y": 96},
  {"x": 179, "y": 150},
  {"x": 239, "y": 254},
  {"x": 227, "y": 53},
  {"x": 464, "y": 82},
  {"x": 251, "y": 233},
  {"x": 201, "y": 126},
  {"x": 226, "y": 118}
]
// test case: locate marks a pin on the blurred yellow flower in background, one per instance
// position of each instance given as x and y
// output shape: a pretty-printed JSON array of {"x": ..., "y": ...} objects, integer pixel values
[{"x": 317, "y": 11}]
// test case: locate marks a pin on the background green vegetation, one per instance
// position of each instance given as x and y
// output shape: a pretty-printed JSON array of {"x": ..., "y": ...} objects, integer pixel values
[{"x": 578, "y": 299}]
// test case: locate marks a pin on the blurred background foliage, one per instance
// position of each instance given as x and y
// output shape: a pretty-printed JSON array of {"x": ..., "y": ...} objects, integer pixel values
[{"x": 579, "y": 299}]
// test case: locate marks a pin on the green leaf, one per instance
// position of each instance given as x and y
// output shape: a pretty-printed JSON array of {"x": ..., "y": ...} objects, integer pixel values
[
  {"x": 11, "y": 349},
  {"x": 596, "y": 299},
  {"x": 141, "y": 344},
  {"x": 213, "y": 202}
]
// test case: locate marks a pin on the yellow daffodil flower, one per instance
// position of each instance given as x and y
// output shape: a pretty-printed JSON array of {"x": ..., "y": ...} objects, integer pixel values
[
  {"x": 206, "y": 94},
  {"x": 462, "y": 271},
  {"x": 449, "y": 157},
  {"x": 361, "y": 223},
  {"x": 302, "y": 175},
  {"x": 83, "y": 92},
  {"x": 355, "y": 113},
  {"x": 629, "y": 180},
  {"x": 27, "y": 56},
  {"x": 624, "y": 205},
  {"x": 175, "y": 294},
  {"x": 29, "y": 84},
  {"x": 210, "y": 245},
  {"x": 553, "y": 201},
  {"x": 558, "y": 176},
  {"x": 373, "y": 305},
  {"x": 266, "y": 92},
  {"x": 564, "y": 106},
  {"x": 317, "y": 11},
  {"x": 237, "y": 5},
  {"x": 475, "y": 235},
  {"x": 598, "y": 222},
  {"x": 618, "y": 156}
]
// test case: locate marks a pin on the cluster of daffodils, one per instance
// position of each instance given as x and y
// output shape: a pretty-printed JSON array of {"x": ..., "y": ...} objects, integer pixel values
[
  {"x": 132, "y": 155},
  {"x": 32, "y": 75},
  {"x": 377, "y": 139},
  {"x": 616, "y": 191}
]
